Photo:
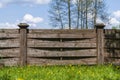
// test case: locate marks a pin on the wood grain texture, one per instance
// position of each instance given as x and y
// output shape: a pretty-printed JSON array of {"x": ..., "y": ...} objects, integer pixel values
[
  {"x": 10, "y": 61},
  {"x": 89, "y": 35},
  {"x": 62, "y": 45},
  {"x": 7, "y": 35},
  {"x": 9, "y": 43},
  {"x": 23, "y": 47},
  {"x": 73, "y": 53},
  {"x": 37, "y": 61},
  {"x": 13, "y": 52},
  {"x": 100, "y": 46},
  {"x": 58, "y": 31},
  {"x": 92, "y": 40},
  {"x": 112, "y": 60},
  {"x": 112, "y": 34},
  {"x": 9, "y": 31}
]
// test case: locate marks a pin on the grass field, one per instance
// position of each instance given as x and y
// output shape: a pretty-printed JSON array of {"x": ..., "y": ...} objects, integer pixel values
[{"x": 108, "y": 72}]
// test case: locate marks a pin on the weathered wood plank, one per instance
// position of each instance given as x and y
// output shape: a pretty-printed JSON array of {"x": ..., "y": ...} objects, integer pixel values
[
  {"x": 7, "y": 35},
  {"x": 23, "y": 43},
  {"x": 112, "y": 37},
  {"x": 9, "y": 31},
  {"x": 37, "y": 61},
  {"x": 109, "y": 31},
  {"x": 112, "y": 45},
  {"x": 89, "y": 35},
  {"x": 112, "y": 34},
  {"x": 111, "y": 60},
  {"x": 74, "y": 53},
  {"x": 116, "y": 62},
  {"x": 53, "y": 31},
  {"x": 9, "y": 43},
  {"x": 100, "y": 43},
  {"x": 9, "y": 61},
  {"x": 14, "y": 52},
  {"x": 62, "y": 45},
  {"x": 112, "y": 53},
  {"x": 111, "y": 41},
  {"x": 93, "y": 40}
]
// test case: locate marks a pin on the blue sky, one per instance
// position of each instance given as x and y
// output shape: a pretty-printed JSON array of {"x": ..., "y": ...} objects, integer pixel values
[{"x": 35, "y": 13}]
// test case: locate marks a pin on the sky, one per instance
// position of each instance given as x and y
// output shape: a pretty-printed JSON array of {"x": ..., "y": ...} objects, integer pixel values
[{"x": 35, "y": 13}]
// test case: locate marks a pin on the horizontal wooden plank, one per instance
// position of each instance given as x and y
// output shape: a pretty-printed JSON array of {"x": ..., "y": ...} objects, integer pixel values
[
  {"x": 89, "y": 35},
  {"x": 112, "y": 53},
  {"x": 7, "y": 35},
  {"x": 115, "y": 61},
  {"x": 112, "y": 45},
  {"x": 62, "y": 45},
  {"x": 9, "y": 43},
  {"x": 13, "y": 52},
  {"x": 111, "y": 41},
  {"x": 112, "y": 34},
  {"x": 9, "y": 31},
  {"x": 58, "y": 31},
  {"x": 111, "y": 31},
  {"x": 9, "y": 61},
  {"x": 92, "y": 40},
  {"x": 112, "y": 37},
  {"x": 74, "y": 53},
  {"x": 37, "y": 61}
]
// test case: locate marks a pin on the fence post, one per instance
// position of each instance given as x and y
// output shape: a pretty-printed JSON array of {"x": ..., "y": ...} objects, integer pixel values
[
  {"x": 100, "y": 43},
  {"x": 23, "y": 43}
]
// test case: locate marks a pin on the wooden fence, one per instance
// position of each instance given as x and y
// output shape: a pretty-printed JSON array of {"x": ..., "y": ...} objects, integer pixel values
[{"x": 59, "y": 47}]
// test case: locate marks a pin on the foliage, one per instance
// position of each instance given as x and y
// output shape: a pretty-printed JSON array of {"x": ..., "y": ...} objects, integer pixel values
[{"x": 60, "y": 73}]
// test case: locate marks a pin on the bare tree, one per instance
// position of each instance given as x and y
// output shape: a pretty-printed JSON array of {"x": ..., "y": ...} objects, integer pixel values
[
  {"x": 56, "y": 14},
  {"x": 77, "y": 13}
]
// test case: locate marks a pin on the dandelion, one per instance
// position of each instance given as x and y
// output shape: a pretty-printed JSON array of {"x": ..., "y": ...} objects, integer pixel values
[{"x": 19, "y": 79}]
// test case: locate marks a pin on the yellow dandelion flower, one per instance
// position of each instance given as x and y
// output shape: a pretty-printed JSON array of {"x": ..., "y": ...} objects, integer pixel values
[{"x": 19, "y": 79}]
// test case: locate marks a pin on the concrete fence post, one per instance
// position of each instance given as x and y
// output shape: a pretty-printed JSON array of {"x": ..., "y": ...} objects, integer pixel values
[
  {"x": 23, "y": 43},
  {"x": 100, "y": 43}
]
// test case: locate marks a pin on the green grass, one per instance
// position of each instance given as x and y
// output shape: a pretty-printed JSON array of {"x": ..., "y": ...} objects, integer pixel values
[{"x": 108, "y": 72}]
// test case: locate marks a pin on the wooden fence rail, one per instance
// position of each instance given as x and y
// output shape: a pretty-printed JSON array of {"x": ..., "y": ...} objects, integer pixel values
[{"x": 59, "y": 47}]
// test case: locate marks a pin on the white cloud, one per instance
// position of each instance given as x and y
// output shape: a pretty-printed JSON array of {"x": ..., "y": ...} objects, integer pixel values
[
  {"x": 42, "y": 1},
  {"x": 114, "y": 21},
  {"x": 99, "y": 21},
  {"x": 116, "y": 14},
  {"x": 8, "y": 25},
  {"x": 23, "y": 2},
  {"x": 30, "y": 19},
  {"x": 27, "y": 18},
  {"x": 1, "y": 5}
]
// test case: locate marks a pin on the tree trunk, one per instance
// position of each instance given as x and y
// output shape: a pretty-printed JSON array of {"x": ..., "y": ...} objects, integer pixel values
[{"x": 69, "y": 14}]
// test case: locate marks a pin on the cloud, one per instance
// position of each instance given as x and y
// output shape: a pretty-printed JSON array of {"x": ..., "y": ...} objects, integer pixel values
[
  {"x": 99, "y": 21},
  {"x": 41, "y": 1},
  {"x": 27, "y": 18},
  {"x": 116, "y": 14},
  {"x": 114, "y": 21},
  {"x": 1, "y": 5},
  {"x": 30, "y": 19},
  {"x": 8, "y": 25},
  {"x": 22, "y": 2}
]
